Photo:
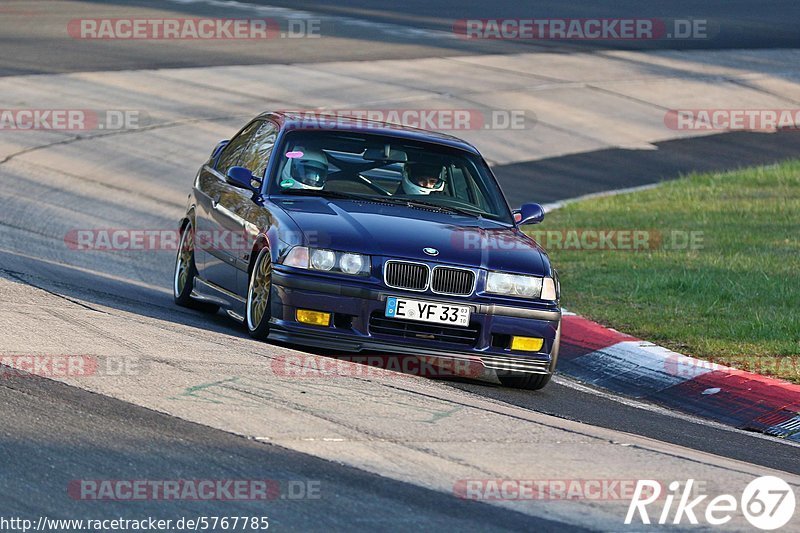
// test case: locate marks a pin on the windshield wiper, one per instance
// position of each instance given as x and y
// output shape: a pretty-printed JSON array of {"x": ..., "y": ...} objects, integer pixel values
[
  {"x": 428, "y": 205},
  {"x": 384, "y": 199},
  {"x": 325, "y": 194}
]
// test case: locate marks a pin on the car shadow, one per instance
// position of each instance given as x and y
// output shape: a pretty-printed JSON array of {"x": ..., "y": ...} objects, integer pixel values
[{"x": 96, "y": 290}]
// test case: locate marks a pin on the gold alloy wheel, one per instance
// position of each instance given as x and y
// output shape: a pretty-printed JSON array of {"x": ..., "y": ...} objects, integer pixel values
[
  {"x": 184, "y": 261},
  {"x": 260, "y": 287}
]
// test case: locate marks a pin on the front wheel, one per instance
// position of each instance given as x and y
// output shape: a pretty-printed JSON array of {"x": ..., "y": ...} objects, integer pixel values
[
  {"x": 259, "y": 297},
  {"x": 525, "y": 381}
]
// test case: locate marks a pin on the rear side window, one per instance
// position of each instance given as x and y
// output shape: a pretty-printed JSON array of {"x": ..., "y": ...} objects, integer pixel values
[
  {"x": 232, "y": 154},
  {"x": 256, "y": 156}
]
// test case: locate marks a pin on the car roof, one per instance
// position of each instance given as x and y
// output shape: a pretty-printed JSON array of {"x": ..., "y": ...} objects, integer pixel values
[{"x": 297, "y": 121}]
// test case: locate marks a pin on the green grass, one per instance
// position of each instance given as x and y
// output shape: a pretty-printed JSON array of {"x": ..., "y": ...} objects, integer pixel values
[{"x": 734, "y": 300}]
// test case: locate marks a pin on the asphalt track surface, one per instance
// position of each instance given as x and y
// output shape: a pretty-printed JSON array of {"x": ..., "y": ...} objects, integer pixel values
[
  {"x": 34, "y": 39},
  {"x": 570, "y": 176},
  {"x": 734, "y": 24},
  {"x": 53, "y": 432}
]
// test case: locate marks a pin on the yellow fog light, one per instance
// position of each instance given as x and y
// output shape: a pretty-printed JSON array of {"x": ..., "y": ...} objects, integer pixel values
[
  {"x": 526, "y": 344},
  {"x": 315, "y": 318}
]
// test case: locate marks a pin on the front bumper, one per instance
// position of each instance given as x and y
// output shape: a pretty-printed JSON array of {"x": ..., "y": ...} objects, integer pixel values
[{"x": 358, "y": 325}]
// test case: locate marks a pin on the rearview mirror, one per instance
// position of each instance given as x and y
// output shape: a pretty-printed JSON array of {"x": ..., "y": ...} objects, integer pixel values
[
  {"x": 529, "y": 214},
  {"x": 385, "y": 154},
  {"x": 242, "y": 178}
]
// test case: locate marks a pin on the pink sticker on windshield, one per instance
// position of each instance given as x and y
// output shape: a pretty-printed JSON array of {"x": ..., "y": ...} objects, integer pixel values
[{"x": 294, "y": 155}]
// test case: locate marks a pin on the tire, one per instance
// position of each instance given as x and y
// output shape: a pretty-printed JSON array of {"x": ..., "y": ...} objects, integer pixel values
[
  {"x": 259, "y": 296},
  {"x": 185, "y": 272},
  {"x": 556, "y": 348},
  {"x": 525, "y": 381},
  {"x": 534, "y": 381}
]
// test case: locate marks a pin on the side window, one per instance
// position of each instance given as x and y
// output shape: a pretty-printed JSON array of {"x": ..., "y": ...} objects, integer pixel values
[
  {"x": 459, "y": 185},
  {"x": 477, "y": 191},
  {"x": 466, "y": 188},
  {"x": 256, "y": 156},
  {"x": 232, "y": 153}
]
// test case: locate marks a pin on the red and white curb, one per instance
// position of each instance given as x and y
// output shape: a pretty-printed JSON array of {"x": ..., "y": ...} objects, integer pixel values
[{"x": 635, "y": 368}]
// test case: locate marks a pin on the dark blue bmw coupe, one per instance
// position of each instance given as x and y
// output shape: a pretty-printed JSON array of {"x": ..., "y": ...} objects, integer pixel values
[{"x": 352, "y": 235}]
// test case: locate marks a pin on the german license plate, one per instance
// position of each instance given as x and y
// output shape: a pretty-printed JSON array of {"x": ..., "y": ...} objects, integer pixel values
[{"x": 408, "y": 309}]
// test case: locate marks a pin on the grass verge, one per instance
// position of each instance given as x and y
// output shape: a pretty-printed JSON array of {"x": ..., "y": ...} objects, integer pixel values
[{"x": 707, "y": 265}]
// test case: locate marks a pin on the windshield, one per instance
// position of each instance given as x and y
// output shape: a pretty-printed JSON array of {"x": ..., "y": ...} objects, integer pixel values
[{"x": 391, "y": 170}]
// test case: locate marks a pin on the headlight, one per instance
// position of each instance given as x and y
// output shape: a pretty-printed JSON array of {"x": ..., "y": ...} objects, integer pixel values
[
  {"x": 515, "y": 285},
  {"x": 500, "y": 283},
  {"x": 323, "y": 259},
  {"x": 351, "y": 263},
  {"x": 327, "y": 261}
]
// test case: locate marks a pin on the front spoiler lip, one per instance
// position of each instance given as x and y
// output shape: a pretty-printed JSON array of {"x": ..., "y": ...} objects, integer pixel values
[
  {"x": 507, "y": 363},
  {"x": 291, "y": 281}
]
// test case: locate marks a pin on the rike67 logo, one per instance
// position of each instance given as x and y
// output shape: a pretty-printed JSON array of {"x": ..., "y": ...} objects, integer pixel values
[{"x": 767, "y": 503}]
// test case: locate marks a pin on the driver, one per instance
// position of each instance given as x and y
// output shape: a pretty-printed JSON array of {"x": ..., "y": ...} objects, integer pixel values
[
  {"x": 422, "y": 178},
  {"x": 308, "y": 170}
]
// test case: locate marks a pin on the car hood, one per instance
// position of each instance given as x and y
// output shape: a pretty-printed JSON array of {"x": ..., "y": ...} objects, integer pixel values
[{"x": 397, "y": 231}]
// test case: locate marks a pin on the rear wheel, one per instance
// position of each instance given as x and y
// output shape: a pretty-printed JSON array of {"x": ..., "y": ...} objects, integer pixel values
[
  {"x": 259, "y": 296},
  {"x": 525, "y": 381},
  {"x": 185, "y": 272}
]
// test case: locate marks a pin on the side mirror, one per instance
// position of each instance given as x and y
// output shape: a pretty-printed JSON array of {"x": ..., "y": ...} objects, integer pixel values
[
  {"x": 242, "y": 178},
  {"x": 529, "y": 214}
]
